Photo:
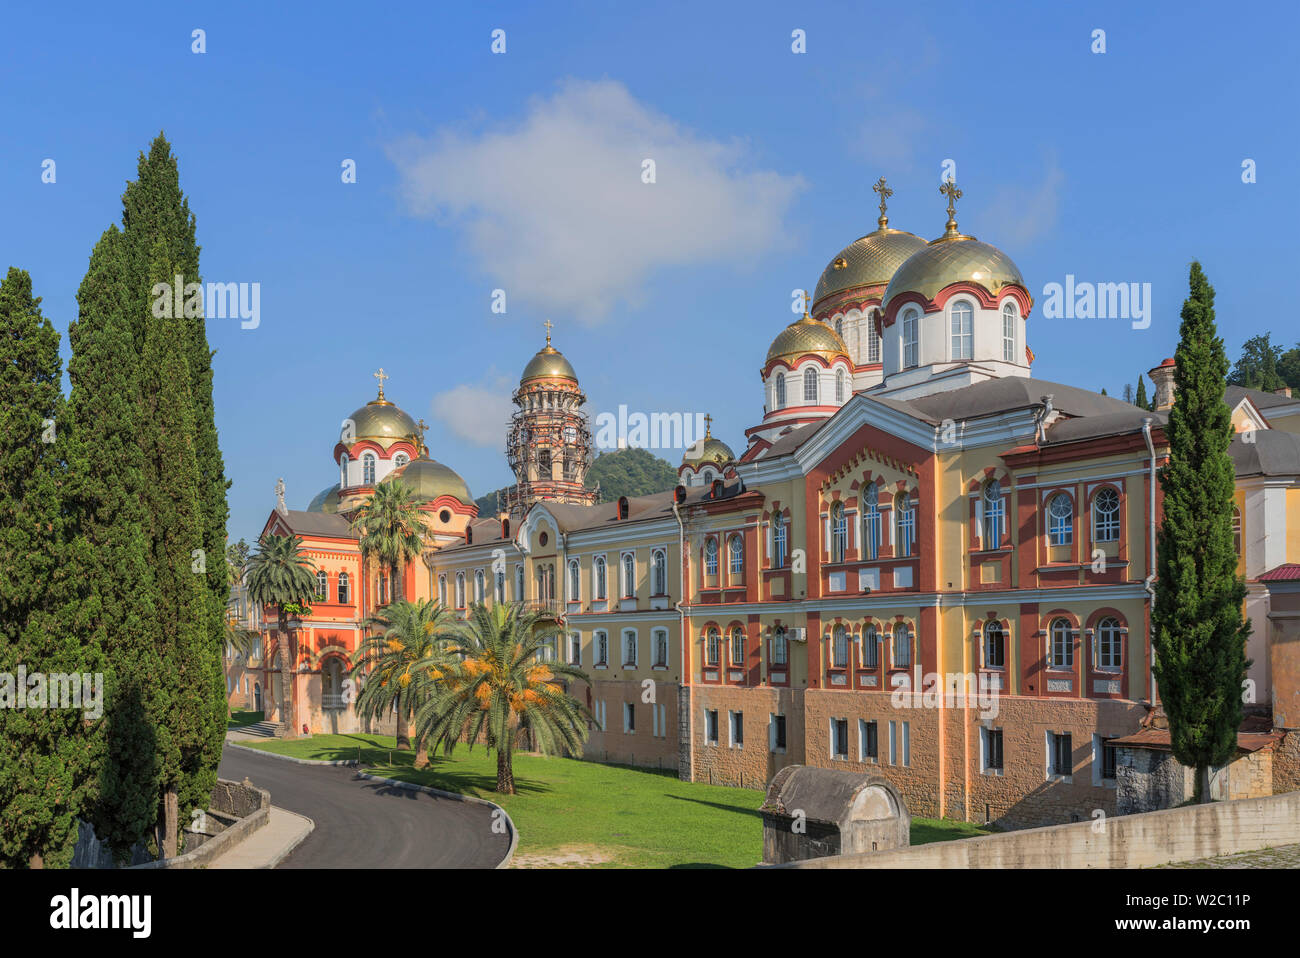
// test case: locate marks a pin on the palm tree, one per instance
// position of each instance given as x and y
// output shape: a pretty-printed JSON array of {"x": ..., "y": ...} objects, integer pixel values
[
  {"x": 280, "y": 575},
  {"x": 497, "y": 681},
  {"x": 413, "y": 632},
  {"x": 390, "y": 528}
]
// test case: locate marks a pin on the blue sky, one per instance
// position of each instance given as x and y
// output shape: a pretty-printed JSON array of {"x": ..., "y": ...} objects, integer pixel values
[{"x": 478, "y": 171}]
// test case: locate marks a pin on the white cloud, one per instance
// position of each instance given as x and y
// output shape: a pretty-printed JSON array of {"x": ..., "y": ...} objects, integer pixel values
[
  {"x": 478, "y": 414},
  {"x": 1020, "y": 213},
  {"x": 555, "y": 212}
]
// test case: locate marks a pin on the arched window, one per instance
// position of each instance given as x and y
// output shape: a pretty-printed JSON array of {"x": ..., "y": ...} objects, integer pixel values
[
  {"x": 345, "y": 592},
  {"x": 343, "y": 471},
  {"x": 810, "y": 385},
  {"x": 1009, "y": 332},
  {"x": 1105, "y": 515},
  {"x": 839, "y": 648},
  {"x": 710, "y": 556},
  {"x": 962, "y": 318},
  {"x": 400, "y": 460},
  {"x": 905, "y": 516},
  {"x": 902, "y": 656},
  {"x": 993, "y": 513},
  {"x": 780, "y": 390},
  {"x": 575, "y": 581},
  {"x": 460, "y": 590},
  {"x": 322, "y": 586},
  {"x": 780, "y": 647},
  {"x": 598, "y": 564},
  {"x": 368, "y": 469},
  {"x": 737, "y": 648},
  {"x": 873, "y": 338},
  {"x": 1110, "y": 643},
  {"x": 1062, "y": 652},
  {"x": 629, "y": 575},
  {"x": 713, "y": 647},
  {"x": 1236, "y": 531},
  {"x": 839, "y": 532},
  {"x": 519, "y": 583},
  {"x": 839, "y": 326},
  {"x": 911, "y": 342},
  {"x": 442, "y": 590},
  {"x": 780, "y": 540},
  {"x": 839, "y": 387},
  {"x": 381, "y": 588},
  {"x": 659, "y": 572},
  {"x": 736, "y": 549},
  {"x": 499, "y": 582},
  {"x": 871, "y": 522},
  {"x": 870, "y": 647},
  {"x": 480, "y": 589},
  {"x": 995, "y": 646},
  {"x": 1060, "y": 528}
]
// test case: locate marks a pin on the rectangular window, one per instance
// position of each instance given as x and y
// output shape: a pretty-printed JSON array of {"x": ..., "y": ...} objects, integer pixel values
[
  {"x": 1108, "y": 755},
  {"x": 868, "y": 741},
  {"x": 629, "y": 718},
  {"x": 575, "y": 648},
  {"x": 840, "y": 738},
  {"x": 991, "y": 759},
  {"x": 1008, "y": 336},
  {"x": 601, "y": 652},
  {"x": 629, "y": 649},
  {"x": 661, "y": 648},
  {"x": 776, "y": 733},
  {"x": 1061, "y": 753},
  {"x": 893, "y": 743},
  {"x": 711, "y": 726},
  {"x": 907, "y": 744},
  {"x": 737, "y": 729},
  {"x": 962, "y": 335},
  {"x": 906, "y": 527},
  {"x": 873, "y": 340}
]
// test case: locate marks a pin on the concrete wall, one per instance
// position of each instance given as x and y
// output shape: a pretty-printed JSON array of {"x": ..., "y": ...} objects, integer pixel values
[{"x": 1128, "y": 841}]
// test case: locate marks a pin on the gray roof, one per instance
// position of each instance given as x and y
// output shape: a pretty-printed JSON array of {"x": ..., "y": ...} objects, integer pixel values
[
  {"x": 822, "y": 794},
  {"x": 1273, "y": 453},
  {"x": 1262, "y": 400},
  {"x": 1110, "y": 424},
  {"x": 320, "y": 524},
  {"x": 993, "y": 396}
]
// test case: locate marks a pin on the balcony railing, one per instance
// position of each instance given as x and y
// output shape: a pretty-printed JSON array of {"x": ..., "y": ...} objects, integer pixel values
[
  {"x": 332, "y": 702},
  {"x": 551, "y": 607}
]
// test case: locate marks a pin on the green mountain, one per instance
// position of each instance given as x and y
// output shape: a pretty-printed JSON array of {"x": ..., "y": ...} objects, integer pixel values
[{"x": 627, "y": 472}]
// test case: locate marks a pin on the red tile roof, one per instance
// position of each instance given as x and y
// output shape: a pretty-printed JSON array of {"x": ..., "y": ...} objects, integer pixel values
[{"x": 1287, "y": 572}]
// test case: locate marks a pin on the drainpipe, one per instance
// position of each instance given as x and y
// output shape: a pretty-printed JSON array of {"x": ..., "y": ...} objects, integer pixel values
[
  {"x": 1149, "y": 585},
  {"x": 681, "y": 627}
]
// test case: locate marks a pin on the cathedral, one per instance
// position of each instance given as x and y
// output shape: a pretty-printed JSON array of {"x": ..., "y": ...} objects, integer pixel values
[{"x": 921, "y": 561}]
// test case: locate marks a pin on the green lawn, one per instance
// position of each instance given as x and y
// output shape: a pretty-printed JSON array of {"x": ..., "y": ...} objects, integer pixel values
[{"x": 587, "y": 813}]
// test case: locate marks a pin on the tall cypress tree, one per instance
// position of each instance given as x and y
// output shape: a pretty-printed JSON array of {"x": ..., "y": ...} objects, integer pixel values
[
  {"x": 107, "y": 498},
  {"x": 46, "y": 764},
  {"x": 1142, "y": 402},
  {"x": 159, "y": 230},
  {"x": 1199, "y": 632}
]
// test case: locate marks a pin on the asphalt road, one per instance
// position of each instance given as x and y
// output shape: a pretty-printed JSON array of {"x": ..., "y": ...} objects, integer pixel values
[{"x": 365, "y": 824}]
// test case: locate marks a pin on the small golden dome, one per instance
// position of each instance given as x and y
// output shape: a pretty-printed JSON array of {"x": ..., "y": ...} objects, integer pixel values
[
  {"x": 327, "y": 500},
  {"x": 953, "y": 258},
  {"x": 807, "y": 335},
  {"x": 869, "y": 260},
  {"x": 429, "y": 479},
  {"x": 549, "y": 363},
  {"x": 708, "y": 449}
]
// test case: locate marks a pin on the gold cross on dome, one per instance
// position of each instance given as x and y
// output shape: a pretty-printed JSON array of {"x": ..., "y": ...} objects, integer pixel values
[
  {"x": 885, "y": 193},
  {"x": 423, "y": 427},
  {"x": 708, "y": 426},
  {"x": 549, "y": 326},
  {"x": 381, "y": 376},
  {"x": 807, "y": 303},
  {"x": 949, "y": 189}
]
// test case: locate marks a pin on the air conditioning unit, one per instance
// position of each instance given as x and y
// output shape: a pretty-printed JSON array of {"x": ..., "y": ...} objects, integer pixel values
[{"x": 797, "y": 635}]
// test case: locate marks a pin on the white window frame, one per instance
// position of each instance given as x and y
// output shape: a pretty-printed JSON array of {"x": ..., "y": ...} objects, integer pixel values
[
  {"x": 961, "y": 326},
  {"x": 910, "y": 339}
]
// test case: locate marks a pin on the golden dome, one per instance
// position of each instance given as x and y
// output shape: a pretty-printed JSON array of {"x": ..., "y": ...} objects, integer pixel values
[
  {"x": 870, "y": 260},
  {"x": 429, "y": 479},
  {"x": 327, "y": 500},
  {"x": 549, "y": 363},
  {"x": 708, "y": 449},
  {"x": 807, "y": 335},
  {"x": 380, "y": 421},
  {"x": 953, "y": 259}
]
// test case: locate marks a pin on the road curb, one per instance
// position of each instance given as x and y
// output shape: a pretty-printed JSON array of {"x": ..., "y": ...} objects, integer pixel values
[
  {"x": 288, "y": 849},
  {"x": 455, "y": 797},
  {"x": 290, "y": 758}
]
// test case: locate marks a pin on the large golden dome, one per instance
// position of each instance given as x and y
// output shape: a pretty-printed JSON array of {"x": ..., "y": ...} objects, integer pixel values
[
  {"x": 429, "y": 479},
  {"x": 870, "y": 260},
  {"x": 380, "y": 421},
  {"x": 807, "y": 335},
  {"x": 327, "y": 500},
  {"x": 953, "y": 258}
]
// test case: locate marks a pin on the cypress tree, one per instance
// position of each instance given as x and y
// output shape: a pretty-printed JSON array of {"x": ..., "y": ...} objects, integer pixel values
[
  {"x": 1142, "y": 402},
  {"x": 1199, "y": 632},
  {"x": 46, "y": 764},
  {"x": 106, "y": 496}
]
